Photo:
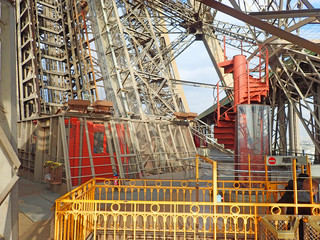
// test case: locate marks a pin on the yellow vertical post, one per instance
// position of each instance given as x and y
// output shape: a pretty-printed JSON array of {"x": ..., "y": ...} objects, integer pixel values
[
  {"x": 295, "y": 193},
  {"x": 214, "y": 186},
  {"x": 310, "y": 180},
  {"x": 214, "y": 193},
  {"x": 266, "y": 178},
  {"x": 266, "y": 168},
  {"x": 197, "y": 178},
  {"x": 197, "y": 167},
  {"x": 249, "y": 169},
  {"x": 214, "y": 177}
]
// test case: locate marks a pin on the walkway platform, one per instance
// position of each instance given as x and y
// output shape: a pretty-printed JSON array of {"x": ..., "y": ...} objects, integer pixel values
[{"x": 36, "y": 203}]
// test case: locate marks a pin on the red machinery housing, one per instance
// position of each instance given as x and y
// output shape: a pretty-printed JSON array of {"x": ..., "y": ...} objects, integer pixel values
[{"x": 93, "y": 156}]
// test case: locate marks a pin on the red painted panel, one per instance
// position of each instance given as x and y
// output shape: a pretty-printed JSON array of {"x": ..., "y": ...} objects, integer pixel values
[{"x": 80, "y": 167}]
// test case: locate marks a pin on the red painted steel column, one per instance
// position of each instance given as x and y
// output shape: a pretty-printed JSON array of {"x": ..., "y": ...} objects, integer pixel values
[{"x": 240, "y": 78}]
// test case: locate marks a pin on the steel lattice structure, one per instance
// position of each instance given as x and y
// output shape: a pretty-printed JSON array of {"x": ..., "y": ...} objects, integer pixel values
[{"x": 125, "y": 51}]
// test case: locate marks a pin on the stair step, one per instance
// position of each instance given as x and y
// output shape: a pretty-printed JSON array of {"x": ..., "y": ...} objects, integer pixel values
[
  {"x": 229, "y": 146},
  {"x": 256, "y": 98},
  {"x": 257, "y": 84},
  {"x": 226, "y": 141},
  {"x": 228, "y": 118},
  {"x": 252, "y": 99},
  {"x": 227, "y": 66},
  {"x": 225, "y": 124},
  {"x": 223, "y": 130},
  {"x": 257, "y": 90},
  {"x": 229, "y": 115},
  {"x": 224, "y": 136}
]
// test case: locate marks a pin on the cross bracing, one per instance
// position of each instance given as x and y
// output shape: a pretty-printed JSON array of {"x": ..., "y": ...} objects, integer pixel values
[{"x": 124, "y": 51}]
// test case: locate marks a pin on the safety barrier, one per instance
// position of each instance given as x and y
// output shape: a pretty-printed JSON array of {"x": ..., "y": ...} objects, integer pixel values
[
  {"x": 164, "y": 209},
  {"x": 273, "y": 227},
  {"x": 312, "y": 227}
]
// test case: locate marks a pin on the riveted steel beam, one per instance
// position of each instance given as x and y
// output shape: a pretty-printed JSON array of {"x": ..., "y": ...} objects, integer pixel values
[{"x": 263, "y": 25}]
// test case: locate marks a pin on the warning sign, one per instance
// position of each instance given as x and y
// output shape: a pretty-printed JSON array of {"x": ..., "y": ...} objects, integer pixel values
[
  {"x": 286, "y": 160},
  {"x": 272, "y": 160}
]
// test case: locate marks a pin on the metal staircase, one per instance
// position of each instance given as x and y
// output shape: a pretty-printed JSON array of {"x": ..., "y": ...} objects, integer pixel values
[
  {"x": 250, "y": 85},
  {"x": 205, "y": 134}
]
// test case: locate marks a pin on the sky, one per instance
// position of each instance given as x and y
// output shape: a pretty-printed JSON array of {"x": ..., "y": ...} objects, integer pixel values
[{"x": 195, "y": 65}]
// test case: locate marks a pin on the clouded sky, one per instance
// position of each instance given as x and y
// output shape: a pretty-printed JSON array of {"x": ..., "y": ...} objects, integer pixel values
[{"x": 195, "y": 65}]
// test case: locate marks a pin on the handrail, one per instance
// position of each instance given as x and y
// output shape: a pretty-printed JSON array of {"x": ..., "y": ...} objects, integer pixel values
[
  {"x": 262, "y": 53},
  {"x": 209, "y": 136}
]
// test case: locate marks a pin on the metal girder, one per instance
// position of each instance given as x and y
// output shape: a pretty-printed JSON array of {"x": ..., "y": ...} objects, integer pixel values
[
  {"x": 299, "y": 92},
  {"x": 286, "y": 14},
  {"x": 138, "y": 60},
  {"x": 9, "y": 202},
  {"x": 262, "y": 25},
  {"x": 122, "y": 48},
  {"x": 8, "y": 2},
  {"x": 54, "y": 54}
]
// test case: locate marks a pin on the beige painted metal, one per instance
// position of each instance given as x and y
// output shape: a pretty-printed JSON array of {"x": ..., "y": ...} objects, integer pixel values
[
  {"x": 312, "y": 228},
  {"x": 155, "y": 148},
  {"x": 9, "y": 163},
  {"x": 178, "y": 87},
  {"x": 55, "y": 62},
  {"x": 212, "y": 43},
  {"x": 132, "y": 62}
]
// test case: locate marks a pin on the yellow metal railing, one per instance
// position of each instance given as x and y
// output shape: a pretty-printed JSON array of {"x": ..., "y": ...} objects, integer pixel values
[
  {"x": 175, "y": 209},
  {"x": 163, "y": 208}
]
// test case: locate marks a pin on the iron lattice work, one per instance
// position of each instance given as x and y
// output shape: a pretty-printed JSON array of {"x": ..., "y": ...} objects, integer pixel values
[
  {"x": 134, "y": 53},
  {"x": 294, "y": 69},
  {"x": 124, "y": 51},
  {"x": 54, "y": 56}
]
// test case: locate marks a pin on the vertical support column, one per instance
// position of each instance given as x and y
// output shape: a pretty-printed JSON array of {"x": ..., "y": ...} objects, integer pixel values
[
  {"x": 8, "y": 119},
  {"x": 214, "y": 184},
  {"x": 317, "y": 127},
  {"x": 240, "y": 78},
  {"x": 39, "y": 153},
  {"x": 281, "y": 122},
  {"x": 296, "y": 136},
  {"x": 293, "y": 131},
  {"x": 295, "y": 191},
  {"x": 65, "y": 152},
  {"x": 197, "y": 168}
]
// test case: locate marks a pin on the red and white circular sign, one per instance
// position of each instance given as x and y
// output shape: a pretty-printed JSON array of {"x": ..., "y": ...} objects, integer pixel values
[{"x": 272, "y": 160}]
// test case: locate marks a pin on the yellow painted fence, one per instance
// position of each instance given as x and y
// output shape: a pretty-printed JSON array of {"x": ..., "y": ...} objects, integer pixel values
[{"x": 169, "y": 209}]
